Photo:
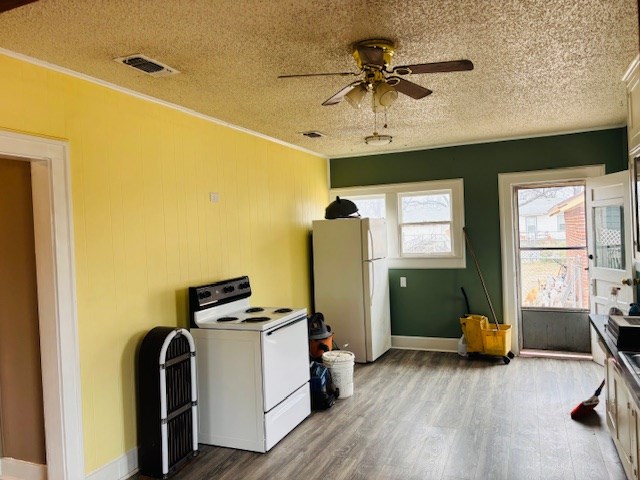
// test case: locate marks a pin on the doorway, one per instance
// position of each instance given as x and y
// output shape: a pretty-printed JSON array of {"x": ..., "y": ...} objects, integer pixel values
[
  {"x": 507, "y": 184},
  {"x": 21, "y": 409},
  {"x": 551, "y": 267},
  {"x": 49, "y": 164}
]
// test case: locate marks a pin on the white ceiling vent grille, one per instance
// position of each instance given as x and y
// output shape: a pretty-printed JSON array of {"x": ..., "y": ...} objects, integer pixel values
[{"x": 147, "y": 65}]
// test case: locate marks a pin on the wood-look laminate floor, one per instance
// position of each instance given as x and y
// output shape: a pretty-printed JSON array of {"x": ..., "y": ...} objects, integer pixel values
[{"x": 424, "y": 415}]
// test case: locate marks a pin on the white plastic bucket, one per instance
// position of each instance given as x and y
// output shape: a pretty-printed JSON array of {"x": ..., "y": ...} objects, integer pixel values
[{"x": 340, "y": 364}]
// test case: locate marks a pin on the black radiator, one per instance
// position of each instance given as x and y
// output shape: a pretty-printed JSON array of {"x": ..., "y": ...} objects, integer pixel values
[{"x": 167, "y": 406}]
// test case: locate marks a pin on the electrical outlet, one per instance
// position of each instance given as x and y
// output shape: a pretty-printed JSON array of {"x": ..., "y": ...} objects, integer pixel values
[
  {"x": 213, "y": 196},
  {"x": 403, "y": 281}
]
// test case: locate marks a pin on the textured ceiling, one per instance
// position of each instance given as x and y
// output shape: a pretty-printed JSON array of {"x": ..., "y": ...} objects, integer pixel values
[{"x": 541, "y": 66}]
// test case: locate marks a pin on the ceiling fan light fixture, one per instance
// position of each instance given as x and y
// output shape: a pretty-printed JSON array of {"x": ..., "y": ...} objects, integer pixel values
[
  {"x": 383, "y": 96},
  {"x": 356, "y": 95},
  {"x": 378, "y": 140}
]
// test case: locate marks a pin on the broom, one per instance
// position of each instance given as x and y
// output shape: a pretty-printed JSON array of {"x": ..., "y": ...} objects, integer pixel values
[{"x": 586, "y": 407}]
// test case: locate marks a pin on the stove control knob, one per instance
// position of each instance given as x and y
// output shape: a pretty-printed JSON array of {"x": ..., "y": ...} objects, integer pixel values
[
  {"x": 228, "y": 289},
  {"x": 244, "y": 285},
  {"x": 204, "y": 294}
]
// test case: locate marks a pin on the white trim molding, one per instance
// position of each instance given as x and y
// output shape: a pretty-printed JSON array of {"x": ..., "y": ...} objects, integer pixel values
[
  {"x": 12, "y": 468},
  {"x": 55, "y": 269},
  {"x": 632, "y": 66},
  {"x": 122, "y": 467},
  {"x": 506, "y": 185},
  {"x": 430, "y": 344}
]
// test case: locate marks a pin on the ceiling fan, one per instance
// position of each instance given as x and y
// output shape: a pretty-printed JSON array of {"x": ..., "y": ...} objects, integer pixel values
[{"x": 374, "y": 63}]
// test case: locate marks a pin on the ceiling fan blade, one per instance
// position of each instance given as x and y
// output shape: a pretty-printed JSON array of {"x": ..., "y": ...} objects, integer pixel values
[
  {"x": 436, "y": 67},
  {"x": 342, "y": 74},
  {"x": 11, "y": 4},
  {"x": 371, "y": 55},
  {"x": 338, "y": 97},
  {"x": 410, "y": 89}
]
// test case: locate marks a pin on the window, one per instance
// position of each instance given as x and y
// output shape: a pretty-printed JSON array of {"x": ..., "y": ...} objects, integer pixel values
[
  {"x": 532, "y": 225},
  {"x": 424, "y": 220},
  {"x": 370, "y": 206},
  {"x": 425, "y": 223},
  {"x": 552, "y": 254}
]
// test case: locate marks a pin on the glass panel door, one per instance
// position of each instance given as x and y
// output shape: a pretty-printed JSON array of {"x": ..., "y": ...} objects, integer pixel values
[
  {"x": 553, "y": 280},
  {"x": 552, "y": 245},
  {"x": 608, "y": 229}
]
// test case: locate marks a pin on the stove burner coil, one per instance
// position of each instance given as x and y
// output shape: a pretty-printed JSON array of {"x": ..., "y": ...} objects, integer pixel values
[
  {"x": 254, "y": 310},
  {"x": 283, "y": 310},
  {"x": 256, "y": 319},
  {"x": 226, "y": 319}
]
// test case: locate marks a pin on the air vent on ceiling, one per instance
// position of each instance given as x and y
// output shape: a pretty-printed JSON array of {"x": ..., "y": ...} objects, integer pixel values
[
  {"x": 312, "y": 134},
  {"x": 147, "y": 65}
]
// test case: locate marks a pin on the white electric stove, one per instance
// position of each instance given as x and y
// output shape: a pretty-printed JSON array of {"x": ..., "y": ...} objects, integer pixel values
[
  {"x": 239, "y": 315},
  {"x": 252, "y": 364}
]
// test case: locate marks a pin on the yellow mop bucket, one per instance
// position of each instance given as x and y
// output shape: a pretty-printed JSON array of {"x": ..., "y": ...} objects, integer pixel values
[
  {"x": 472, "y": 326},
  {"x": 496, "y": 341},
  {"x": 495, "y": 338}
]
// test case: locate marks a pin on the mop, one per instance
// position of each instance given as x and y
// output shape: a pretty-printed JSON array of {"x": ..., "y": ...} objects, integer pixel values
[{"x": 586, "y": 407}]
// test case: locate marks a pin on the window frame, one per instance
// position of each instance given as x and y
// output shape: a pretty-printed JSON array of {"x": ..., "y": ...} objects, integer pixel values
[
  {"x": 457, "y": 258},
  {"x": 401, "y": 224}
]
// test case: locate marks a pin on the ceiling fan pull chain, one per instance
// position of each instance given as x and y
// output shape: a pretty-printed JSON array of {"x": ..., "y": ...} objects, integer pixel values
[{"x": 385, "y": 117}]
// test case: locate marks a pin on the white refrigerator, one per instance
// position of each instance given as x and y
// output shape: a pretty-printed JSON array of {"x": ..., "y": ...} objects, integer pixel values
[{"x": 351, "y": 283}]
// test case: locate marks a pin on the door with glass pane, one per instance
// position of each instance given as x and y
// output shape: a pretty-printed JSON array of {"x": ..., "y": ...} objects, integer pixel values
[
  {"x": 610, "y": 239},
  {"x": 552, "y": 267}
]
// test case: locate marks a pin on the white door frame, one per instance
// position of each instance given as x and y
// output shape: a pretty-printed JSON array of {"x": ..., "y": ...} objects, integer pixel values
[
  {"x": 506, "y": 184},
  {"x": 53, "y": 229}
]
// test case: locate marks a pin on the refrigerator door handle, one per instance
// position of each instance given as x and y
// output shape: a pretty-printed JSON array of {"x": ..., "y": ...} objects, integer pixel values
[
  {"x": 372, "y": 282},
  {"x": 370, "y": 235}
]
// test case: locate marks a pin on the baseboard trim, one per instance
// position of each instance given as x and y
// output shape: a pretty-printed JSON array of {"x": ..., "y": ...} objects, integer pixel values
[
  {"x": 11, "y": 467},
  {"x": 122, "y": 467},
  {"x": 431, "y": 344},
  {"x": 555, "y": 354}
]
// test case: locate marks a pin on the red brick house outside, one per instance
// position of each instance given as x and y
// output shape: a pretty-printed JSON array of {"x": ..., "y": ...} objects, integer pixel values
[{"x": 576, "y": 236}]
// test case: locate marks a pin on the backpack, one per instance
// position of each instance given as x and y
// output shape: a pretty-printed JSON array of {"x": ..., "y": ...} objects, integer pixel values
[{"x": 323, "y": 393}]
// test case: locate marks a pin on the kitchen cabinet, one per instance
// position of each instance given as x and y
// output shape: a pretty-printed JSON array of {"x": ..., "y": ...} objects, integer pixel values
[
  {"x": 632, "y": 80},
  {"x": 610, "y": 395},
  {"x": 622, "y": 418}
]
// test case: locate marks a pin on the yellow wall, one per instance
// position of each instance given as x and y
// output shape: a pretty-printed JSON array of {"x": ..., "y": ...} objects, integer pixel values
[{"x": 145, "y": 229}]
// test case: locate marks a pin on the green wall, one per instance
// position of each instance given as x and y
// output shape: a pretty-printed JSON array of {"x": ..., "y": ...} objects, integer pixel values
[{"x": 432, "y": 302}]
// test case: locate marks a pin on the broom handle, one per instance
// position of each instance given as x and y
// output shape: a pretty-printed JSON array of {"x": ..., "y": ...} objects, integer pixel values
[{"x": 484, "y": 286}]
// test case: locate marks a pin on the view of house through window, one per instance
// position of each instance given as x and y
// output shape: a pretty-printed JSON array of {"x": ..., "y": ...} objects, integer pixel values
[
  {"x": 425, "y": 223},
  {"x": 552, "y": 249}
]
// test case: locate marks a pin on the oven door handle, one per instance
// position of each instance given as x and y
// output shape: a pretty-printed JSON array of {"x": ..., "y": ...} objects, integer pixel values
[{"x": 286, "y": 325}]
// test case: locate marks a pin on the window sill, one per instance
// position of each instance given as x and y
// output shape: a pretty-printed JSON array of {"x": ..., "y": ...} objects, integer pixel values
[{"x": 426, "y": 263}]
